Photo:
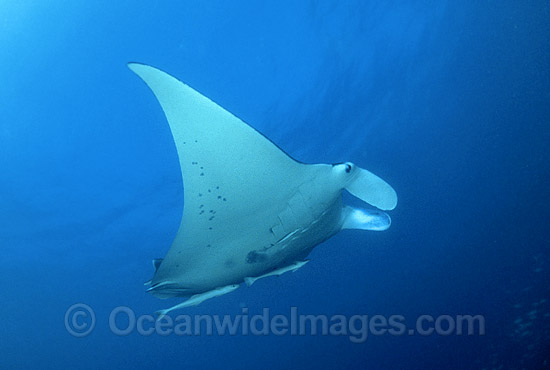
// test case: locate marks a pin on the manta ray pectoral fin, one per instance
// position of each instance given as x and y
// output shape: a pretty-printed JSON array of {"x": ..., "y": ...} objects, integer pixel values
[
  {"x": 372, "y": 189},
  {"x": 228, "y": 169},
  {"x": 365, "y": 219}
]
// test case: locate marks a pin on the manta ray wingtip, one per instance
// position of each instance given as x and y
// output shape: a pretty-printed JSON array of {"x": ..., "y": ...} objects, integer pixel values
[
  {"x": 131, "y": 64},
  {"x": 136, "y": 67}
]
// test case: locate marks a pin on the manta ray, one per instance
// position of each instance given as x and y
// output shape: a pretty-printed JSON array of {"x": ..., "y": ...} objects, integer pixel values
[{"x": 250, "y": 210}]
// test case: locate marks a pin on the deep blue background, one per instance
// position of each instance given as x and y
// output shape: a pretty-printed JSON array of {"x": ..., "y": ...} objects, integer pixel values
[{"x": 447, "y": 101}]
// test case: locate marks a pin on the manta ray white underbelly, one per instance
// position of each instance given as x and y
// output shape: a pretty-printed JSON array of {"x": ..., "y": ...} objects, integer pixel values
[{"x": 250, "y": 210}]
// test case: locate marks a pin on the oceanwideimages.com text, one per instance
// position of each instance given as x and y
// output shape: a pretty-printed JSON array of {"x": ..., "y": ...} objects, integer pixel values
[{"x": 80, "y": 321}]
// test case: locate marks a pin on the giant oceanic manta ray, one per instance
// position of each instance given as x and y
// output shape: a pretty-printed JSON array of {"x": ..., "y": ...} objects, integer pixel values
[{"x": 250, "y": 210}]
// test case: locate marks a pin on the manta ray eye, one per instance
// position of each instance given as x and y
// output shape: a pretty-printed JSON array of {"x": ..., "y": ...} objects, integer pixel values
[{"x": 344, "y": 168}]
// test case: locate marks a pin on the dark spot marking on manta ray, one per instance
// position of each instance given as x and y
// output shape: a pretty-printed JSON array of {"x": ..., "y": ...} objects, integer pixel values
[
  {"x": 210, "y": 228},
  {"x": 202, "y": 205},
  {"x": 208, "y": 245},
  {"x": 202, "y": 173},
  {"x": 200, "y": 194},
  {"x": 255, "y": 257},
  {"x": 219, "y": 197},
  {"x": 201, "y": 212},
  {"x": 196, "y": 141},
  {"x": 229, "y": 263},
  {"x": 217, "y": 187},
  {"x": 224, "y": 199}
]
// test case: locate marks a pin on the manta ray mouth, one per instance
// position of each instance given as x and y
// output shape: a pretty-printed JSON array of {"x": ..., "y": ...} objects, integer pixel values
[{"x": 168, "y": 289}]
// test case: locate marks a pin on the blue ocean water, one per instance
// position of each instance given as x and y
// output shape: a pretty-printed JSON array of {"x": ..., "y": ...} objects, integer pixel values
[{"x": 447, "y": 101}]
